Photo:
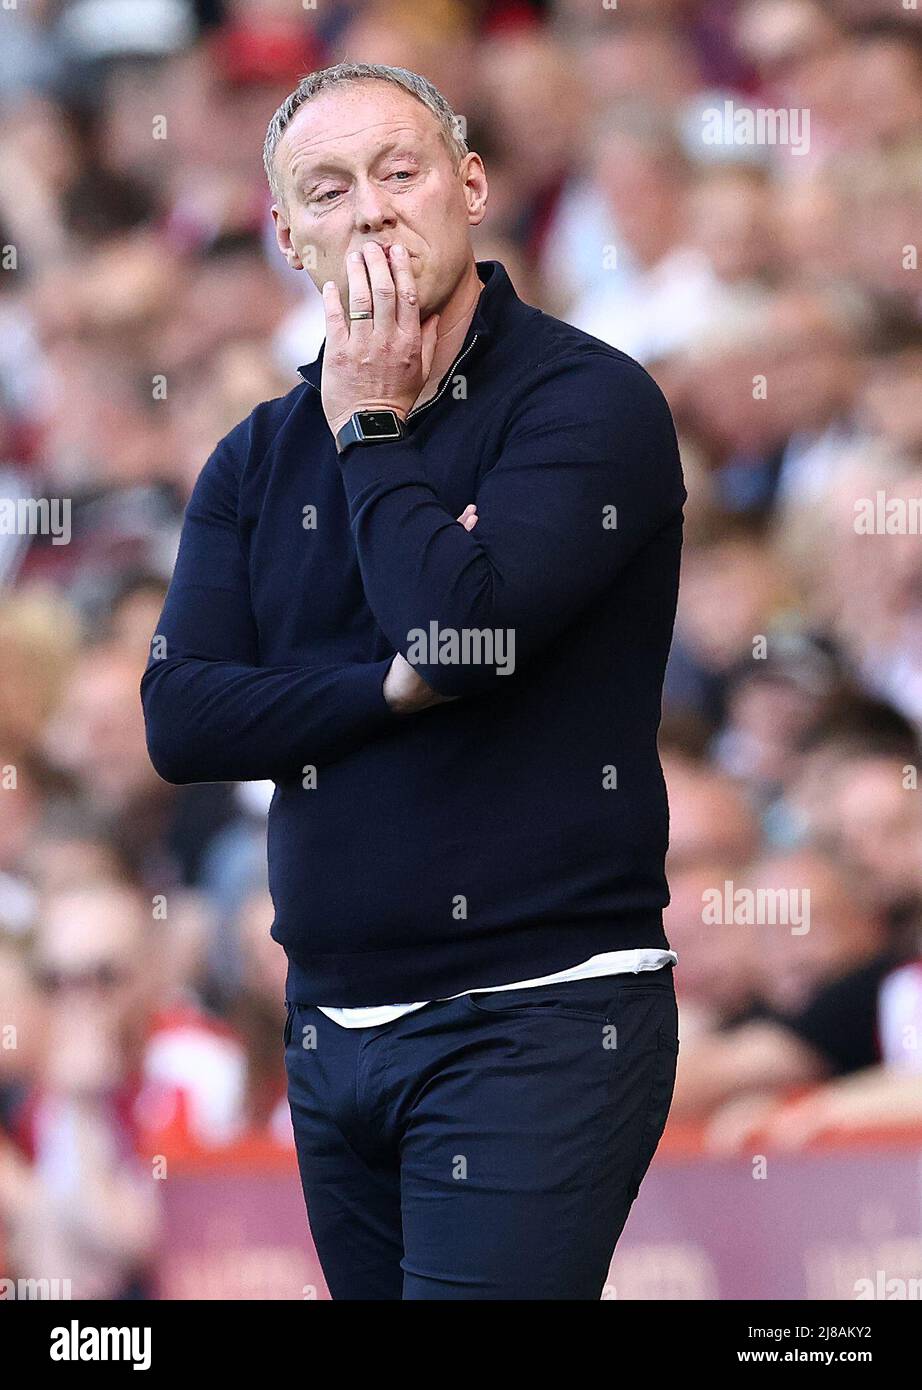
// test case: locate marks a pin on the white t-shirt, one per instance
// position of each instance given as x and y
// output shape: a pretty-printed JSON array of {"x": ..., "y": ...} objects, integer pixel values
[{"x": 608, "y": 963}]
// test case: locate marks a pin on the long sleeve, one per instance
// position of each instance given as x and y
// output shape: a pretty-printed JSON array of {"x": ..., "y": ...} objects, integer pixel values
[
  {"x": 588, "y": 472},
  {"x": 212, "y": 713}
]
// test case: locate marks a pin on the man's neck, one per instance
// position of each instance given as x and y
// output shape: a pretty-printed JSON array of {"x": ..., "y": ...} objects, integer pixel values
[{"x": 454, "y": 321}]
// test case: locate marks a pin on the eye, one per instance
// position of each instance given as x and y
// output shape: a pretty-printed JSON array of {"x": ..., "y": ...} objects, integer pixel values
[{"x": 402, "y": 174}]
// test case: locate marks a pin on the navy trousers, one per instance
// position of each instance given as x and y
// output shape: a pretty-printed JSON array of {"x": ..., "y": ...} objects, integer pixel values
[{"x": 486, "y": 1147}]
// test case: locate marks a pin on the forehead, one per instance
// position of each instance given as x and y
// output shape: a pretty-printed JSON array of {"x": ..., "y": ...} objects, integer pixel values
[{"x": 352, "y": 121}]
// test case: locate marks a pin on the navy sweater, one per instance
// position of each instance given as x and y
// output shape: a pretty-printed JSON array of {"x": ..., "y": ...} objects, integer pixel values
[{"x": 521, "y": 827}]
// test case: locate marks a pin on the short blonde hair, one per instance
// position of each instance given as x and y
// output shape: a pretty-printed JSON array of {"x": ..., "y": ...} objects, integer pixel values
[{"x": 324, "y": 78}]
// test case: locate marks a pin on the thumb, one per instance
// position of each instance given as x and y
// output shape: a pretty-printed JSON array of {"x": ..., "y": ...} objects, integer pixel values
[{"x": 429, "y": 335}]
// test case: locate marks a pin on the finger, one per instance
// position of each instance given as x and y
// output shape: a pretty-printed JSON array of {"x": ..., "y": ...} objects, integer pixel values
[
  {"x": 470, "y": 522},
  {"x": 383, "y": 293},
  {"x": 467, "y": 510},
  {"x": 360, "y": 301},
  {"x": 337, "y": 329},
  {"x": 405, "y": 286}
]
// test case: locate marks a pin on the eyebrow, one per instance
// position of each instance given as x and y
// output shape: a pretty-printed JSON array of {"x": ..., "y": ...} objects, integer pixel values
[{"x": 315, "y": 172}]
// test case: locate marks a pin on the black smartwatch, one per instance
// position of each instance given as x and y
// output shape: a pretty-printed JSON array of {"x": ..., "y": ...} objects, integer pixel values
[{"x": 370, "y": 427}]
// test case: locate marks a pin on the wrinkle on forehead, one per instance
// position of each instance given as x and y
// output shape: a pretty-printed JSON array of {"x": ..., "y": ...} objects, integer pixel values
[{"x": 305, "y": 146}]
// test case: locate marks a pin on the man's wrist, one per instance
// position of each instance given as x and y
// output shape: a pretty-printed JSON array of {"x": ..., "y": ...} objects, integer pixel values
[{"x": 337, "y": 424}]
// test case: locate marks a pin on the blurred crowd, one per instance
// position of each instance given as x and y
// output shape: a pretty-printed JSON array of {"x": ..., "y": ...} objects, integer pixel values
[{"x": 771, "y": 286}]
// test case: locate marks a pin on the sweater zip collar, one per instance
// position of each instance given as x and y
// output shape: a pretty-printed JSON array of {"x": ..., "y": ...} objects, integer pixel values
[
  {"x": 496, "y": 293},
  {"x": 445, "y": 380}
]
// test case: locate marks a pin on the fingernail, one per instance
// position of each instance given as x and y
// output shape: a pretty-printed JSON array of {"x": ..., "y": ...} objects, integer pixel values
[
  {"x": 355, "y": 255},
  {"x": 328, "y": 285},
  {"x": 398, "y": 249}
]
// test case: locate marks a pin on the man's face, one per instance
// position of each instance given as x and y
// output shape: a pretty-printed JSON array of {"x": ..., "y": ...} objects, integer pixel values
[
  {"x": 90, "y": 951},
  {"x": 366, "y": 162}
]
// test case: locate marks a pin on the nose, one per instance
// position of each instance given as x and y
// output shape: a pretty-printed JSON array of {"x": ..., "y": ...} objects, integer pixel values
[{"x": 373, "y": 211}]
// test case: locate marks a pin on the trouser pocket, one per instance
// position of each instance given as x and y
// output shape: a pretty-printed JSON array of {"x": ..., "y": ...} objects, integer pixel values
[
  {"x": 662, "y": 1086},
  {"x": 599, "y": 998}
]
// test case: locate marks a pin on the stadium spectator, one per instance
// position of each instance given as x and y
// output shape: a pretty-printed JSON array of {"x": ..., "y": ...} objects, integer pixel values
[{"x": 773, "y": 292}]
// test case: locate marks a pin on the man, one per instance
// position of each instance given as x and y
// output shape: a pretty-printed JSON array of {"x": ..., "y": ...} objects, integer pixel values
[{"x": 467, "y": 836}]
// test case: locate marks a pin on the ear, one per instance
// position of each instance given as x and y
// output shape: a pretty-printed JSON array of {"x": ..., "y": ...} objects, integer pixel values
[
  {"x": 283, "y": 237},
  {"x": 473, "y": 178}
]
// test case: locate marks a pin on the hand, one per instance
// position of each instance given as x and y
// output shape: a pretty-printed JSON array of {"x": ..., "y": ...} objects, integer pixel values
[
  {"x": 404, "y": 688},
  {"x": 381, "y": 363}
]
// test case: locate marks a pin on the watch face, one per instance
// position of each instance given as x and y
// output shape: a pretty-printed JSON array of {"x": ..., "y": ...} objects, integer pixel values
[{"x": 378, "y": 424}]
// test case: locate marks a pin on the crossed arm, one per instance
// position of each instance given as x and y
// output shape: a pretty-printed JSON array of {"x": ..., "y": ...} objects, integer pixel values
[
  {"x": 212, "y": 712},
  {"x": 533, "y": 552}
]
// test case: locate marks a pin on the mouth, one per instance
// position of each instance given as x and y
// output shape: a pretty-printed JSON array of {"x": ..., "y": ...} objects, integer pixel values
[{"x": 388, "y": 248}]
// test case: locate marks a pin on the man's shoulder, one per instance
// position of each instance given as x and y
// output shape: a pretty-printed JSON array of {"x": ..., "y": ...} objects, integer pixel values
[
  {"x": 241, "y": 451},
  {"x": 251, "y": 437},
  {"x": 559, "y": 364},
  {"x": 552, "y": 347},
  {"x": 268, "y": 417}
]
